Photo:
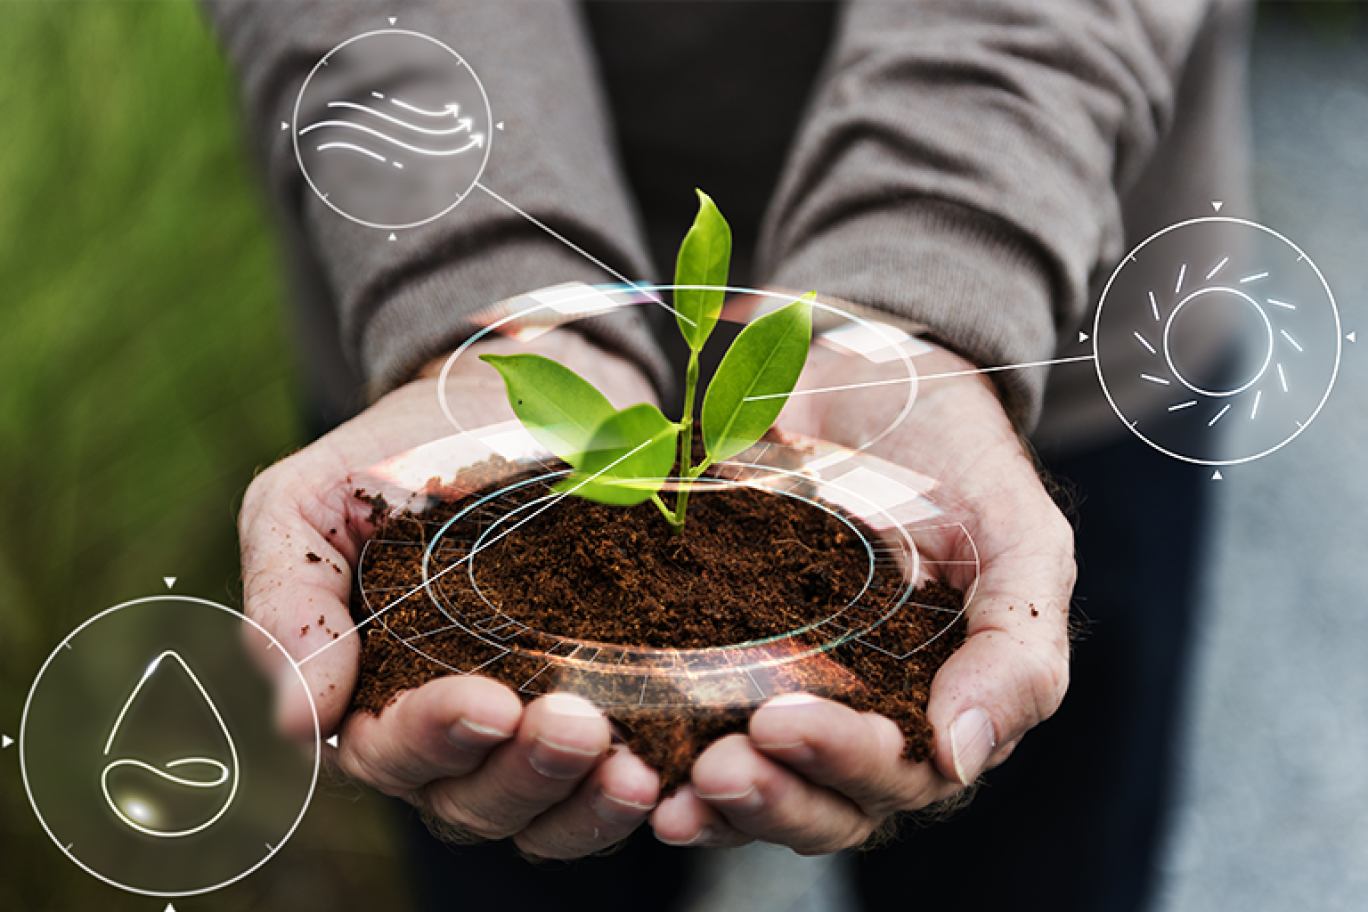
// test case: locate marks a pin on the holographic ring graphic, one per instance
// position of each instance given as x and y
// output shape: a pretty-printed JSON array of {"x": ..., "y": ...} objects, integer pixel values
[
  {"x": 552, "y": 308},
  {"x": 1217, "y": 341},
  {"x": 616, "y": 675}
]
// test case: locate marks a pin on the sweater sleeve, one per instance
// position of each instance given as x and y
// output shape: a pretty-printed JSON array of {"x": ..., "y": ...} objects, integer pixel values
[
  {"x": 402, "y": 302},
  {"x": 962, "y": 164}
]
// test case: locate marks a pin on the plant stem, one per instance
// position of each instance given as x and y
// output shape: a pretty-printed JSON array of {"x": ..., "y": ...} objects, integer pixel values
[
  {"x": 669, "y": 515},
  {"x": 686, "y": 444}
]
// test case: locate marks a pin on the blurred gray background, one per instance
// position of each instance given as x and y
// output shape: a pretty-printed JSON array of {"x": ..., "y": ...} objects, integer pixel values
[{"x": 1274, "y": 807}]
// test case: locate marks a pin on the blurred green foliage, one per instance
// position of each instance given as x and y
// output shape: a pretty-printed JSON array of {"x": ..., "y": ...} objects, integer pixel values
[{"x": 145, "y": 375}]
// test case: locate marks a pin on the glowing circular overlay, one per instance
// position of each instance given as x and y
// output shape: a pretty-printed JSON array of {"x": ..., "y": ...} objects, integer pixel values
[
  {"x": 908, "y": 533},
  {"x": 149, "y": 752},
  {"x": 1217, "y": 341},
  {"x": 623, "y": 676},
  {"x": 879, "y": 355},
  {"x": 1230, "y": 299},
  {"x": 392, "y": 129}
]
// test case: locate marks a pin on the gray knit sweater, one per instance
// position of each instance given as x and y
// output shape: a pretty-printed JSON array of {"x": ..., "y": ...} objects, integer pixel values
[{"x": 974, "y": 166}]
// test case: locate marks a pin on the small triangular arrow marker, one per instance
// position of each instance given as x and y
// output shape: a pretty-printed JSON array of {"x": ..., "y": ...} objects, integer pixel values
[
  {"x": 1217, "y": 204},
  {"x": 5, "y": 741},
  {"x": 169, "y": 908},
  {"x": 1083, "y": 337},
  {"x": 1216, "y": 476},
  {"x": 284, "y": 125},
  {"x": 499, "y": 125},
  {"x": 332, "y": 742},
  {"x": 392, "y": 20},
  {"x": 392, "y": 237},
  {"x": 169, "y": 580},
  {"x": 1351, "y": 336}
]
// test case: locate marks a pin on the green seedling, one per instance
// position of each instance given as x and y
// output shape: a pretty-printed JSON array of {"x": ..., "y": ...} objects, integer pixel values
[{"x": 625, "y": 457}]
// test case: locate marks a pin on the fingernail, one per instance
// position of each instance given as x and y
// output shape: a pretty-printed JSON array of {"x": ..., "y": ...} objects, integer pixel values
[
  {"x": 616, "y": 810},
  {"x": 794, "y": 699},
  {"x": 563, "y": 704},
  {"x": 702, "y": 838},
  {"x": 556, "y": 761},
  {"x": 749, "y": 800},
  {"x": 468, "y": 735},
  {"x": 971, "y": 742}
]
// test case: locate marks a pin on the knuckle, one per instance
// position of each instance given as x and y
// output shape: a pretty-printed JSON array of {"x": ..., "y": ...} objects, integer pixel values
[
  {"x": 537, "y": 846},
  {"x": 440, "y": 802},
  {"x": 359, "y": 763},
  {"x": 1047, "y": 679},
  {"x": 853, "y": 835}
]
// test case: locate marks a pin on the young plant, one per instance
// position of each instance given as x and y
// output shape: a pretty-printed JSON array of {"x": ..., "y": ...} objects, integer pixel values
[{"x": 625, "y": 457}]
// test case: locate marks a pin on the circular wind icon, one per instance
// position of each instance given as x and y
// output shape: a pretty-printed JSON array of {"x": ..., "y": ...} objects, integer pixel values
[{"x": 392, "y": 129}]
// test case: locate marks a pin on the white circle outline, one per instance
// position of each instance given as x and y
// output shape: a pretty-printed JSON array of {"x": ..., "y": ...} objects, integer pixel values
[
  {"x": 23, "y": 729},
  {"x": 1268, "y": 355},
  {"x": 588, "y": 290},
  {"x": 489, "y": 131},
  {"x": 1334, "y": 312}
]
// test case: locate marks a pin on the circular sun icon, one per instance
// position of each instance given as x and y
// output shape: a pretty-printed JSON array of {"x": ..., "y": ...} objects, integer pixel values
[{"x": 1217, "y": 341}]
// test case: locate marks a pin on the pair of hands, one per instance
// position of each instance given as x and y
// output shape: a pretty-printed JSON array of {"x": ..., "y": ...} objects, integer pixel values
[{"x": 810, "y": 774}]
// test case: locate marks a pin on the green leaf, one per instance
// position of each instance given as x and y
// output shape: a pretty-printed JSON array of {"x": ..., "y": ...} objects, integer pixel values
[
  {"x": 627, "y": 459},
  {"x": 703, "y": 260},
  {"x": 557, "y": 406},
  {"x": 765, "y": 360}
]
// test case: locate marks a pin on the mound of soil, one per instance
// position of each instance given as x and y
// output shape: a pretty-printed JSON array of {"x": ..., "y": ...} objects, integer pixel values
[{"x": 750, "y": 566}]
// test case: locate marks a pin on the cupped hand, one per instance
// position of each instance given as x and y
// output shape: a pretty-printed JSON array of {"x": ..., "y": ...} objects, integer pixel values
[
  {"x": 463, "y": 748},
  {"x": 818, "y": 776}
]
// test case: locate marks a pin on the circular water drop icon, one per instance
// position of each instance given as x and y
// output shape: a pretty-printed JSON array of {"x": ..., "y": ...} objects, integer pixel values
[
  {"x": 149, "y": 752},
  {"x": 125, "y": 784}
]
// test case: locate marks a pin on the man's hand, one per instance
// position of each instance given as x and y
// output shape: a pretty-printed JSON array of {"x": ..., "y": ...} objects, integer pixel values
[
  {"x": 464, "y": 748},
  {"x": 818, "y": 776}
]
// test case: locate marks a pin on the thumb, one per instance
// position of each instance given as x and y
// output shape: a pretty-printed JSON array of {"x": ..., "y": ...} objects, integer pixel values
[
  {"x": 1010, "y": 674},
  {"x": 296, "y": 568}
]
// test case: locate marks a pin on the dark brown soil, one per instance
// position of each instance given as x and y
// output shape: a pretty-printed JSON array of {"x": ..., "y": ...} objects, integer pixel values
[{"x": 751, "y": 565}]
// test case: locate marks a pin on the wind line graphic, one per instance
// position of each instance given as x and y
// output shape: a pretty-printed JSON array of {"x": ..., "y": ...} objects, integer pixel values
[
  {"x": 476, "y": 140},
  {"x": 342, "y": 145},
  {"x": 463, "y": 124},
  {"x": 450, "y": 110}
]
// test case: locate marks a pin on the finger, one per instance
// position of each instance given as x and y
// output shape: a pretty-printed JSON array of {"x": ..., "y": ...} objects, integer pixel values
[
  {"x": 560, "y": 740},
  {"x": 764, "y": 800},
  {"x": 446, "y": 728},
  {"x": 684, "y": 819},
  {"x": 296, "y": 574},
  {"x": 858, "y": 755},
  {"x": 612, "y": 802},
  {"x": 1013, "y": 669}
]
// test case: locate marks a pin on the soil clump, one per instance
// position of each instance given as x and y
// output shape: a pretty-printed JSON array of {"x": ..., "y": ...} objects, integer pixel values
[{"x": 750, "y": 566}]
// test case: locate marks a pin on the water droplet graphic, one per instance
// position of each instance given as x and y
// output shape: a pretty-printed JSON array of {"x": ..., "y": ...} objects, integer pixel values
[{"x": 162, "y": 777}]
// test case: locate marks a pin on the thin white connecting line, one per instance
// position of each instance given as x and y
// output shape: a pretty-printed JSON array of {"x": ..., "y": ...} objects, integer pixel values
[
  {"x": 587, "y": 255},
  {"x": 963, "y": 373},
  {"x": 513, "y": 528}
]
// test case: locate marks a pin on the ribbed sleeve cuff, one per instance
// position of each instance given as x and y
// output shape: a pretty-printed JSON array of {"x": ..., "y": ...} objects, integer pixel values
[{"x": 982, "y": 289}]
